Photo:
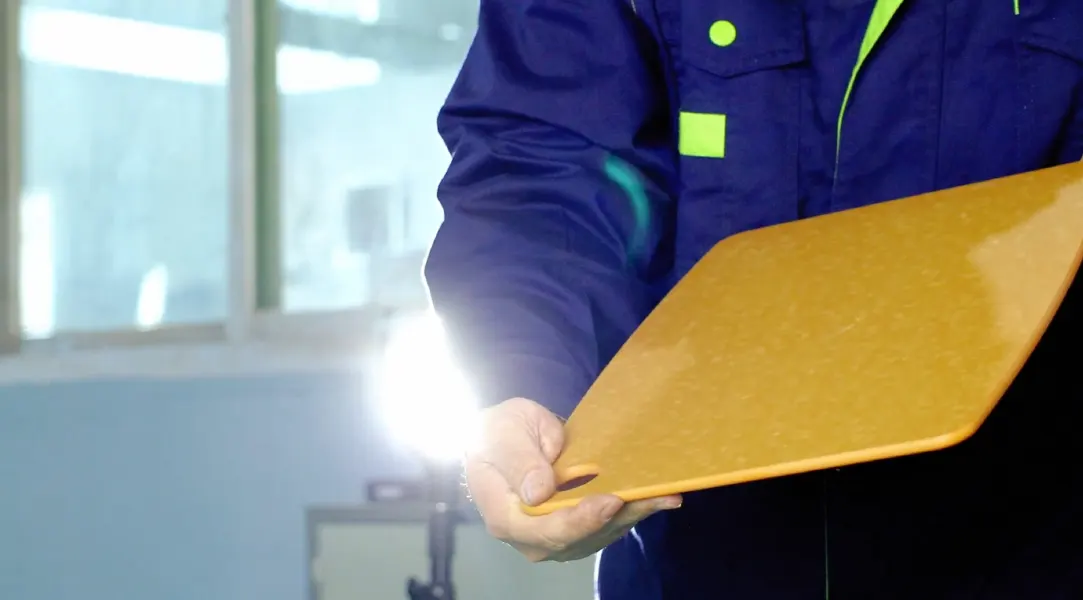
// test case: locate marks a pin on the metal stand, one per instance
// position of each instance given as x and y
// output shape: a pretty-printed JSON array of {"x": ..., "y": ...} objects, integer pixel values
[{"x": 444, "y": 494}]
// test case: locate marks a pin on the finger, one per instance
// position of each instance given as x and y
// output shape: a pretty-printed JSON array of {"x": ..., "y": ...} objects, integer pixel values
[
  {"x": 634, "y": 512},
  {"x": 567, "y": 534},
  {"x": 491, "y": 495},
  {"x": 548, "y": 536},
  {"x": 615, "y": 528},
  {"x": 591, "y": 545},
  {"x": 503, "y": 515},
  {"x": 521, "y": 440}
]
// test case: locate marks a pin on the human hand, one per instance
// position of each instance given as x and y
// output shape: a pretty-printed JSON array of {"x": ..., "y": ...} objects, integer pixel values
[{"x": 520, "y": 440}]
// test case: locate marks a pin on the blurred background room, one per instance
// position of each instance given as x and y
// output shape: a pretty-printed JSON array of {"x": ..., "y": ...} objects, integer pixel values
[{"x": 218, "y": 377}]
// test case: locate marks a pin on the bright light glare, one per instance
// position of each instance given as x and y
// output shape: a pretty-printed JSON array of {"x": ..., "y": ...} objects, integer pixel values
[
  {"x": 153, "y": 293},
  {"x": 426, "y": 399},
  {"x": 368, "y": 11},
  {"x": 37, "y": 269},
  {"x": 141, "y": 49}
]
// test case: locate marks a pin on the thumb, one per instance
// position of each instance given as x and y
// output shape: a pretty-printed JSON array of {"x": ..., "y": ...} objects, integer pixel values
[{"x": 521, "y": 441}]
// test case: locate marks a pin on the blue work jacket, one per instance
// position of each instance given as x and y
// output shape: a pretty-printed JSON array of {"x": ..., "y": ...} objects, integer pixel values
[{"x": 733, "y": 115}]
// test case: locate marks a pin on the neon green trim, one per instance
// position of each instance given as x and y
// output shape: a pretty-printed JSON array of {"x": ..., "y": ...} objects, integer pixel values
[
  {"x": 702, "y": 135},
  {"x": 881, "y": 18},
  {"x": 723, "y": 33},
  {"x": 1017, "y": 7}
]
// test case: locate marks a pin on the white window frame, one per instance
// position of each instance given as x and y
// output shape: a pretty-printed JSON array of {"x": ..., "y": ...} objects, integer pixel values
[{"x": 251, "y": 340}]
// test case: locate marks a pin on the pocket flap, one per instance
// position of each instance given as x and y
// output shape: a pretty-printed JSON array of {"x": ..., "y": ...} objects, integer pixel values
[{"x": 740, "y": 36}]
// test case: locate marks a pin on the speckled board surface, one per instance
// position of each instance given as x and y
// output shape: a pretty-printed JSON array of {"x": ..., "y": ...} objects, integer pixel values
[{"x": 872, "y": 333}]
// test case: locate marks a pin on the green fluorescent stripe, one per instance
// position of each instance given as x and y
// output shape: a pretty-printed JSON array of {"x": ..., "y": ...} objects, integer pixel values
[
  {"x": 702, "y": 135},
  {"x": 881, "y": 18},
  {"x": 1017, "y": 7}
]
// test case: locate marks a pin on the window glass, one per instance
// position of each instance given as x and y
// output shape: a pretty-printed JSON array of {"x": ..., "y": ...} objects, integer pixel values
[
  {"x": 361, "y": 157},
  {"x": 125, "y": 164}
]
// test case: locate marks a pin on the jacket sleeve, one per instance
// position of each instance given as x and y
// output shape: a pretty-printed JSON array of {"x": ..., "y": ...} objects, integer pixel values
[{"x": 547, "y": 255}]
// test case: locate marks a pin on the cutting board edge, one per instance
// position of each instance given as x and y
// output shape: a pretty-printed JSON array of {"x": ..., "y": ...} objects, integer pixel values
[{"x": 844, "y": 459}]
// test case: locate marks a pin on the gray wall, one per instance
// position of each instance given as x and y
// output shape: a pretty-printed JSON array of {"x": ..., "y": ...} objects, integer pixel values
[{"x": 177, "y": 491}]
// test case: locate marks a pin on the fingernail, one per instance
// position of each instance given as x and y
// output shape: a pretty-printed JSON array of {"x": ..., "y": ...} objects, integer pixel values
[
  {"x": 672, "y": 503},
  {"x": 531, "y": 492}
]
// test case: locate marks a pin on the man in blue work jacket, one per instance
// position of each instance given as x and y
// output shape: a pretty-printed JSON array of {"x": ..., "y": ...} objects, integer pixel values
[{"x": 740, "y": 114}]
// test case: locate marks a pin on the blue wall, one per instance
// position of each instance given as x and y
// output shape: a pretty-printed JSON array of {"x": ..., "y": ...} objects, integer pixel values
[{"x": 177, "y": 490}]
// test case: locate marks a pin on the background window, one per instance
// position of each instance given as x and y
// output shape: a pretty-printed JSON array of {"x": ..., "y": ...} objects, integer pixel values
[
  {"x": 360, "y": 156},
  {"x": 125, "y": 164}
]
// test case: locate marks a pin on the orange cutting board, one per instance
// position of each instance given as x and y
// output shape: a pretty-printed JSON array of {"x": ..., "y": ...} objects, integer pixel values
[{"x": 878, "y": 332}]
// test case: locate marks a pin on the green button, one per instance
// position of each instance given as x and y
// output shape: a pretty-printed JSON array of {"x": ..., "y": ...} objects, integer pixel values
[{"x": 723, "y": 33}]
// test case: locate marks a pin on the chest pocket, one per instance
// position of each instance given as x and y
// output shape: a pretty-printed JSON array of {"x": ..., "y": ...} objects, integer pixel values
[
  {"x": 1051, "y": 81},
  {"x": 738, "y": 101}
]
